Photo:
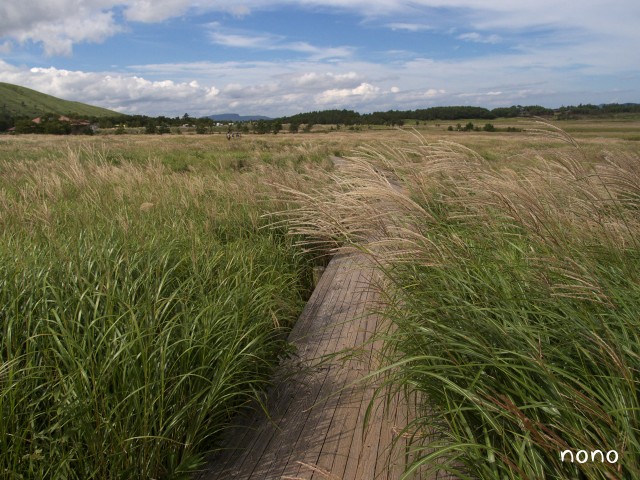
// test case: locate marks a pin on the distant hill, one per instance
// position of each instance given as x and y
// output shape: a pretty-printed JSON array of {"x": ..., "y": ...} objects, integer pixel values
[
  {"x": 234, "y": 117},
  {"x": 17, "y": 101}
]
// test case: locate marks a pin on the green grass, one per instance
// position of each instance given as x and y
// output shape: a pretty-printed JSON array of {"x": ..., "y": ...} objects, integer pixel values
[
  {"x": 521, "y": 359},
  {"x": 140, "y": 308},
  {"x": 21, "y": 101}
]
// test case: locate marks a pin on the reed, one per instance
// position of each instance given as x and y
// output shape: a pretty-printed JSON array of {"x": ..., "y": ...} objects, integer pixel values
[
  {"x": 140, "y": 307},
  {"x": 514, "y": 295}
]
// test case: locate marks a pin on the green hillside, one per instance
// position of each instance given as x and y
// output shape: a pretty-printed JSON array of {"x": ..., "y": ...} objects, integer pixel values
[{"x": 17, "y": 101}]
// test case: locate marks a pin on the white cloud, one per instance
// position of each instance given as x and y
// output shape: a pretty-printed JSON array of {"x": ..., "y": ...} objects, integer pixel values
[
  {"x": 432, "y": 93},
  {"x": 153, "y": 11},
  {"x": 268, "y": 41},
  {"x": 57, "y": 24},
  {"x": 126, "y": 93},
  {"x": 410, "y": 27},
  {"x": 478, "y": 38},
  {"x": 314, "y": 80},
  {"x": 283, "y": 88},
  {"x": 364, "y": 91}
]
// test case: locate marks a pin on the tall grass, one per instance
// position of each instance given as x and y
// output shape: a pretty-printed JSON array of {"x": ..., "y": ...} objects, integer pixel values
[
  {"x": 140, "y": 308},
  {"x": 515, "y": 298}
]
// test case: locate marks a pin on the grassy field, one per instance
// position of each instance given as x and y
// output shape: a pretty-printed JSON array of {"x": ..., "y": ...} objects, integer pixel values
[
  {"x": 144, "y": 298},
  {"x": 142, "y": 301},
  {"x": 21, "y": 101},
  {"x": 514, "y": 293}
]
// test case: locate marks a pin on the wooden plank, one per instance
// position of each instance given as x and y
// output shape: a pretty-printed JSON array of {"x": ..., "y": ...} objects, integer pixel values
[
  {"x": 316, "y": 425},
  {"x": 317, "y": 410},
  {"x": 246, "y": 442},
  {"x": 322, "y": 412},
  {"x": 345, "y": 371}
]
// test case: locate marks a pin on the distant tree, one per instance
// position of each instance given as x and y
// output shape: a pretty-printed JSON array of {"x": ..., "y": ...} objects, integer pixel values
[
  {"x": 489, "y": 127},
  {"x": 6, "y": 122},
  {"x": 506, "y": 112},
  {"x": 294, "y": 127},
  {"x": 276, "y": 128},
  {"x": 261, "y": 127},
  {"x": 25, "y": 125}
]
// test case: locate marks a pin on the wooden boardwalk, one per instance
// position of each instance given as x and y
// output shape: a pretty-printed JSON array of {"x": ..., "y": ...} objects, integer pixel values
[{"x": 317, "y": 407}]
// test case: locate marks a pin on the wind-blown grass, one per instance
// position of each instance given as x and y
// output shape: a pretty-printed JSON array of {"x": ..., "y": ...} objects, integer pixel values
[
  {"x": 515, "y": 299},
  {"x": 139, "y": 309}
]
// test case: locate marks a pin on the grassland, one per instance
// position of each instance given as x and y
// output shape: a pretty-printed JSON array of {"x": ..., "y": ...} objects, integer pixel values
[
  {"x": 17, "y": 101},
  {"x": 144, "y": 299},
  {"x": 514, "y": 293},
  {"x": 142, "y": 302}
]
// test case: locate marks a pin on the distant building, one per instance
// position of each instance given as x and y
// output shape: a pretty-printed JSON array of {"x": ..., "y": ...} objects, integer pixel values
[{"x": 77, "y": 126}]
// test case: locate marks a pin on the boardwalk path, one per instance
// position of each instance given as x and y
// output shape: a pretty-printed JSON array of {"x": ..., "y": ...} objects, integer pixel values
[{"x": 316, "y": 428}]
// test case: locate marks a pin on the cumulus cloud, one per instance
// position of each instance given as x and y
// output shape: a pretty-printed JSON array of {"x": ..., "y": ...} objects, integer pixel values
[
  {"x": 284, "y": 88},
  {"x": 364, "y": 91},
  {"x": 315, "y": 80},
  {"x": 279, "y": 93},
  {"x": 57, "y": 24},
  {"x": 125, "y": 93}
]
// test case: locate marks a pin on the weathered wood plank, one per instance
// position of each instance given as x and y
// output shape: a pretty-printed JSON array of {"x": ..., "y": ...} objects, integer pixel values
[{"x": 321, "y": 397}]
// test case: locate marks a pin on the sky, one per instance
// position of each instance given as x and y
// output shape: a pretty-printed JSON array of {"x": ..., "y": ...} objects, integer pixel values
[{"x": 281, "y": 57}]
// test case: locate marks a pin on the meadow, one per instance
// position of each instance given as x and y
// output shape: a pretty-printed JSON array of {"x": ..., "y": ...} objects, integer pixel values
[
  {"x": 145, "y": 293},
  {"x": 142, "y": 299},
  {"x": 513, "y": 293}
]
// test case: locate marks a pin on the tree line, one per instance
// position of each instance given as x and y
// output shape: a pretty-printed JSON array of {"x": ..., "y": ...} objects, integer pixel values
[
  {"x": 162, "y": 124},
  {"x": 398, "y": 117}
]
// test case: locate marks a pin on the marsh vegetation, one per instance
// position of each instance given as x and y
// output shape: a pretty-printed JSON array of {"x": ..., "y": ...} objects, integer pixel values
[
  {"x": 514, "y": 295},
  {"x": 145, "y": 293},
  {"x": 142, "y": 302}
]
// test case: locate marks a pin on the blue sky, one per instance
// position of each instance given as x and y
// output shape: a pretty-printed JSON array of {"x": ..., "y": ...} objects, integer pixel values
[{"x": 280, "y": 57}]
